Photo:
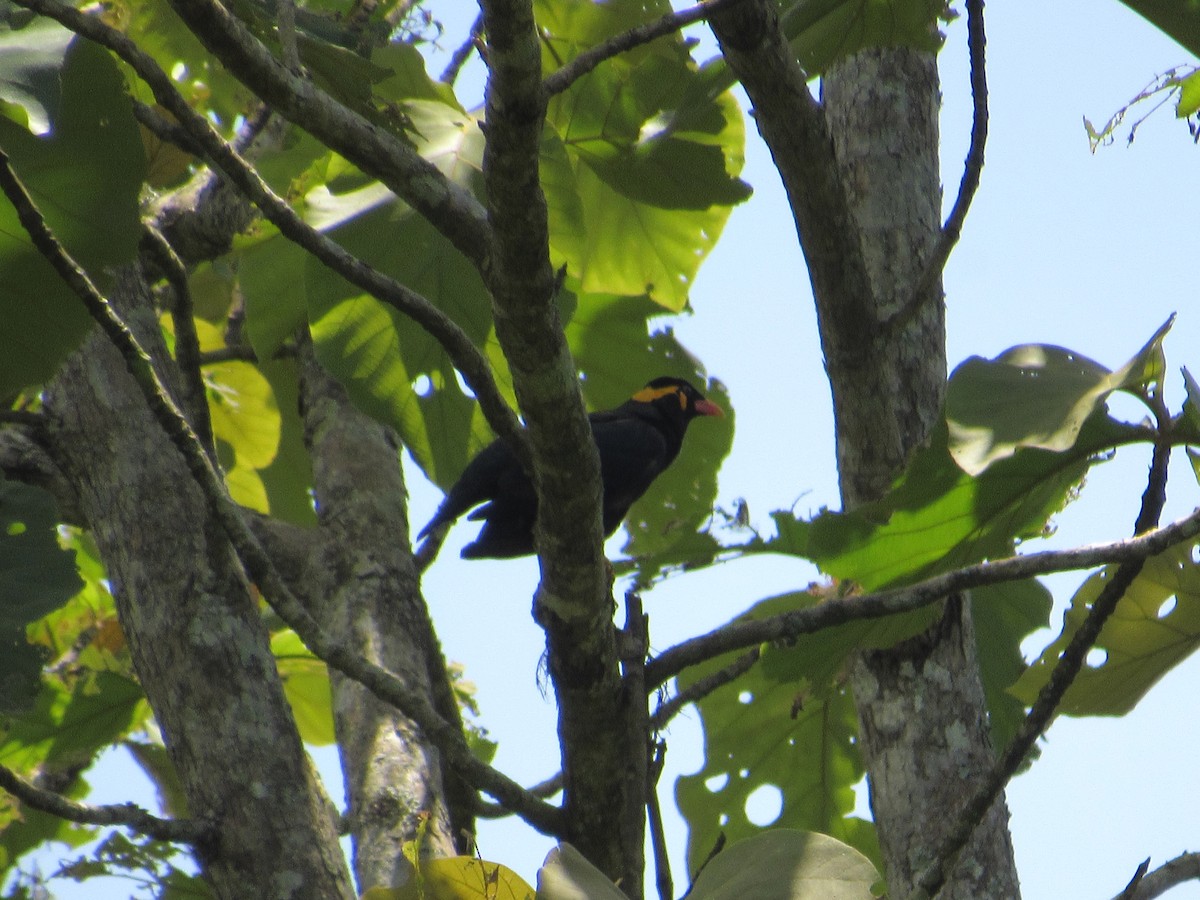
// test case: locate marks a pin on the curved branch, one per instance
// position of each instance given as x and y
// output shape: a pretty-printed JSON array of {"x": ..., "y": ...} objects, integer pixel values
[
  {"x": 559, "y": 81},
  {"x": 128, "y": 815},
  {"x": 466, "y": 357},
  {"x": 669, "y": 708},
  {"x": 254, "y": 558},
  {"x": 972, "y": 171},
  {"x": 1185, "y": 867},
  {"x": 741, "y": 635},
  {"x": 1069, "y": 664},
  {"x": 451, "y": 209}
]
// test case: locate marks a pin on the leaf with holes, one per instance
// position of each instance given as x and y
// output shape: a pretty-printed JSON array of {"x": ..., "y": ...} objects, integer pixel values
[
  {"x": 782, "y": 728},
  {"x": 1156, "y": 626}
]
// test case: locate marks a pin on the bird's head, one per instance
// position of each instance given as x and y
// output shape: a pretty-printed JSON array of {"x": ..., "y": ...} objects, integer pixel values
[{"x": 675, "y": 398}]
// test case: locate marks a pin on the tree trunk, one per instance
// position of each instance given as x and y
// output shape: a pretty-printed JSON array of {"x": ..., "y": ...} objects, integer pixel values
[
  {"x": 921, "y": 705},
  {"x": 197, "y": 640},
  {"x": 370, "y": 599}
]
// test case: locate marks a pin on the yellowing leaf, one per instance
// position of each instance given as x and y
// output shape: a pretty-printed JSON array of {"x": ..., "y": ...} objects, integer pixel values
[{"x": 458, "y": 878}]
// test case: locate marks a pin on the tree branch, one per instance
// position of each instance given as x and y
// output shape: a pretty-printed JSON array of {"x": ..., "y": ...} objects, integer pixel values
[
  {"x": 837, "y": 611},
  {"x": 559, "y": 81},
  {"x": 258, "y": 564},
  {"x": 668, "y": 709},
  {"x": 946, "y": 855},
  {"x": 795, "y": 130},
  {"x": 574, "y": 601},
  {"x": 1185, "y": 867},
  {"x": 193, "y": 394},
  {"x": 459, "y": 57},
  {"x": 466, "y": 357},
  {"x": 972, "y": 171},
  {"x": 128, "y": 815},
  {"x": 448, "y": 206}
]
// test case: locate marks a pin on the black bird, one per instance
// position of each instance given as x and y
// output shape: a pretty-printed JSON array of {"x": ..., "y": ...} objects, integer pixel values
[{"x": 636, "y": 441}]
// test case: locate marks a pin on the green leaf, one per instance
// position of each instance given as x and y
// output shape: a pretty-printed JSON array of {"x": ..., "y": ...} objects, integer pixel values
[
  {"x": 770, "y": 731},
  {"x": 1003, "y": 616},
  {"x": 1189, "y": 96},
  {"x": 786, "y": 864},
  {"x": 939, "y": 518},
  {"x": 306, "y": 686},
  {"x": 1036, "y": 395},
  {"x": 1156, "y": 626},
  {"x": 635, "y": 248},
  {"x": 31, "y": 60},
  {"x": 656, "y": 154},
  {"x": 85, "y": 178},
  {"x": 1178, "y": 19},
  {"x": 68, "y": 726},
  {"x": 37, "y": 576}
]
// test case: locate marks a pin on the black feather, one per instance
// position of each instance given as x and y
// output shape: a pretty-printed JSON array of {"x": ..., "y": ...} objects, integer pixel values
[{"x": 636, "y": 442}]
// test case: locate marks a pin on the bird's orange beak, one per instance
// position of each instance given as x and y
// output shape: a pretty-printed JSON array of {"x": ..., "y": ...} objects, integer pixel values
[{"x": 708, "y": 408}]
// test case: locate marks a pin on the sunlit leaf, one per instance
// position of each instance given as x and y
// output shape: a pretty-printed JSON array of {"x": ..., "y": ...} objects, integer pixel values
[
  {"x": 457, "y": 878},
  {"x": 306, "y": 686},
  {"x": 1035, "y": 396},
  {"x": 939, "y": 518},
  {"x": 567, "y": 875}
]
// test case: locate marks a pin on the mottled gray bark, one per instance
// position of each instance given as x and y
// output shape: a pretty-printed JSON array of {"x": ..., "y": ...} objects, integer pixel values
[
  {"x": 369, "y": 597},
  {"x": 194, "y": 630},
  {"x": 921, "y": 704}
]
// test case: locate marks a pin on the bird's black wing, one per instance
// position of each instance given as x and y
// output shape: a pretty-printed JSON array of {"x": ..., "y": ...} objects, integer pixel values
[
  {"x": 633, "y": 452},
  {"x": 485, "y": 476}
]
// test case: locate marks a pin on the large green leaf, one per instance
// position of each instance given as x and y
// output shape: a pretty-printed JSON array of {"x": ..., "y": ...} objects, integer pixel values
[
  {"x": 785, "y": 864},
  {"x": 1178, "y": 19},
  {"x": 1156, "y": 625},
  {"x": 1035, "y": 395},
  {"x": 85, "y": 178},
  {"x": 36, "y": 577},
  {"x": 656, "y": 154},
  {"x": 939, "y": 518},
  {"x": 771, "y": 730}
]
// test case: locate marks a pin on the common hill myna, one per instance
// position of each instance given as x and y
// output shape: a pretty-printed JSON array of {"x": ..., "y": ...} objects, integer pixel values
[{"x": 636, "y": 441}]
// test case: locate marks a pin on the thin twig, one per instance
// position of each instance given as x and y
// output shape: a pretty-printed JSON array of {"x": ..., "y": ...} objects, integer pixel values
[
  {"x": 658, "y": 839},
  {"x": 164, "y": 129},
  {"x": 193, "y": 394},
  {"x": 972, "y": 171},
  {"x": 950, "y": 847},
  {"x": 467, "y": 358},
  {"x": 234, "y": 353},
  {"x": 668, "y": 709},
  {"x": 1185, "y": 867},
  {"x": 563, "y": 78},
  {"x": 459, "y": 57},
  {"x": 257, "y": 562},
  {"x": 128, "y": 815}
]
